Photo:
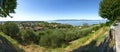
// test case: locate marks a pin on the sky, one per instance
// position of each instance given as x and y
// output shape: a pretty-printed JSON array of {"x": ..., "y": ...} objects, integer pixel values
[{"x": 40, "y": 10}]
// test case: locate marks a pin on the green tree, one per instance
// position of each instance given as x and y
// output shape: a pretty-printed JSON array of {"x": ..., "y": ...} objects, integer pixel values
[
  {"x": 30, "y": 36},
  {"x": 11, "y": 29},
  {"x": 110, "y": 9},
  {"x": 52, "y": 39},
  {"x": 7, "y": 7}
]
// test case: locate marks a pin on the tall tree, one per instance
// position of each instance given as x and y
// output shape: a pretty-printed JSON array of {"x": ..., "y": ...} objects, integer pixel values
[
  {"x": 110, "y": 9},
  {"x": 7, "y": 7}
]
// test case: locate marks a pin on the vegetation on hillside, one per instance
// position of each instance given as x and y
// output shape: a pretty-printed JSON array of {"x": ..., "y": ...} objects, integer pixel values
[
  {"x": 11, "y": 42},
  {"x": 49, "y": 35},
  {"x": 54, "y": 35}
]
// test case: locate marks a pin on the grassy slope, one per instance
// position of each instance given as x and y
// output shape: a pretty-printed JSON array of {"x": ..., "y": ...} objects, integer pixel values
[
  {"x": 102, "y": 36},
  {"x": 88, "y": 39},
  {"x": 98, "y": 36},
  {"x": 12, "y": 42}
]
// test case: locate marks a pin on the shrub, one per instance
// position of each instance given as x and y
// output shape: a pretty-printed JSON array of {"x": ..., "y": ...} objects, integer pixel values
[
  {"x": 54, "y": 39},
  {"x": 30, "y": 36},
  {"x": 69, "y": 36},
  {"x": 11, "y": 29}
]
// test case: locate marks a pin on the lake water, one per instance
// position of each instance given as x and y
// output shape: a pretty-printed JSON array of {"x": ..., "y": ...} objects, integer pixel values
[{"x": 80, "y": 22}]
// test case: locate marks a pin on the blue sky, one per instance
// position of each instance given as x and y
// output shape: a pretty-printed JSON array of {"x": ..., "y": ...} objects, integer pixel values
[{"x": 55, "y": 9}]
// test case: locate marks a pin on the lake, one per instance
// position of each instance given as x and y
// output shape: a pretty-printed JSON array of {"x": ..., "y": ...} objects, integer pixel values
[{"x": 79, "y": 22}]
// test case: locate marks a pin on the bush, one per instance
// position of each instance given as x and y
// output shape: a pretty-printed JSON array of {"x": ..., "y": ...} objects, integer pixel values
[
  {"x": 69, "y": 36},
  {"x": 30, "y": 36},
  {"x": 54, "y": 39},
  {"x": 10, "y": 28}
]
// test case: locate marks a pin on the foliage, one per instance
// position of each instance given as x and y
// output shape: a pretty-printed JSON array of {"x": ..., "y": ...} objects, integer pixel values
[
  {"x": 53, "y": 40},
  {"x": 28, "y": 36},
  {"x": 10, "y": 28},
  {"x": 110, "y": 9},
  {"x": 57, "y": 37},
  {"x": 7, "y": 7},
  {"x": 109, "y": 23},
  {"x": 50, "y": 37}
]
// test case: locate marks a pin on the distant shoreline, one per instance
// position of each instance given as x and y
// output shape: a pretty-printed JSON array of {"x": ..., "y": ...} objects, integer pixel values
[{"x": 71, "y": 22}]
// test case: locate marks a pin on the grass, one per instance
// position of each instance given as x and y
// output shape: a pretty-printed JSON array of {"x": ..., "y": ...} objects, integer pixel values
[
  {"x": 12, "y": 42},
  {"x": 86, "y": 40},
  {"x": 102, "y": 36},
  {"x": 33, "y": 48},
  {"x": 73, "y": 45},
  {"x": 99, "y": 36},
  {"x": 78, "y": 42},
  {"x": 93, "y": 45}
]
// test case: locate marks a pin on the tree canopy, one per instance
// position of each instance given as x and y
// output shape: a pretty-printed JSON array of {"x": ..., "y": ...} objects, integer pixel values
[
  {"x": 7, "y": 7},
  {"x": 110, "y": 9}
]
